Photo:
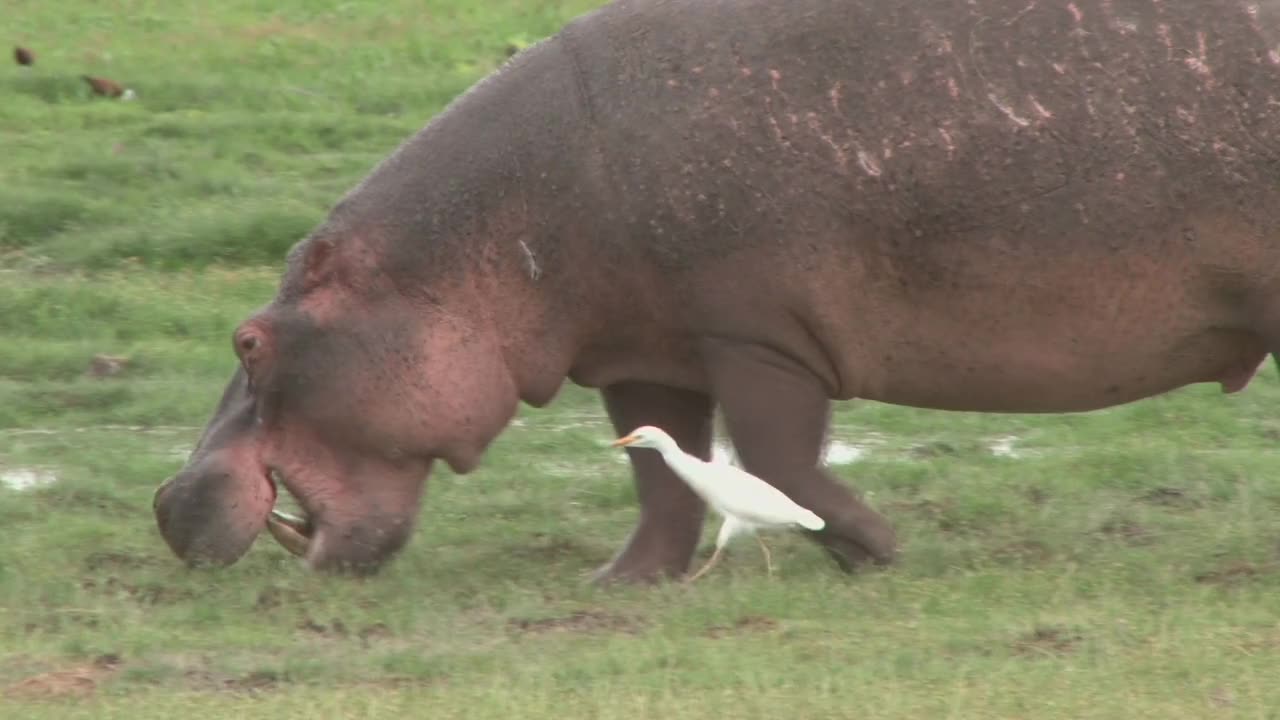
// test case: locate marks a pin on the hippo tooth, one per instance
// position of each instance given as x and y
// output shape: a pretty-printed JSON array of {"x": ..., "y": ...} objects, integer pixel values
[{"x": 291, "y": 532}]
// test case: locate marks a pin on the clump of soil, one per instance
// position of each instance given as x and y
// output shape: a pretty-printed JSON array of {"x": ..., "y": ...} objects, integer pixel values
[
  {"x": 744, "y": 624},
  {"x": 1048, "y": 640},
  {"x": 77, "y": 681},
  {"x": 579, "y": 621}
]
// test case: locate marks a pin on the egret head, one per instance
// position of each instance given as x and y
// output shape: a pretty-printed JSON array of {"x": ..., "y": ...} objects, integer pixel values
[{"x": 646, "y": 436}]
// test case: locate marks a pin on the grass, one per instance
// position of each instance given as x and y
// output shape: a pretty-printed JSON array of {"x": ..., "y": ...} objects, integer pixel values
[{"x": 1119, "y": 564}]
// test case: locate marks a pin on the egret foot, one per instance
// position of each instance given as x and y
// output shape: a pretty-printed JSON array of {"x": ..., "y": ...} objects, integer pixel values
[
  {"x": 715, "y": 556},
  {"x": 768, "y": 559}
]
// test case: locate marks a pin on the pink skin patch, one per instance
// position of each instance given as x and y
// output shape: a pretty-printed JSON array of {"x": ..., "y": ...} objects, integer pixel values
[
  {"x": 868, "y": 164},
  {"x": 1041, "y": 110},
  {"x": 1075, "y": 12},
  {"x": 1200, "y": 63},
  {"x": 947, "y": 142}
]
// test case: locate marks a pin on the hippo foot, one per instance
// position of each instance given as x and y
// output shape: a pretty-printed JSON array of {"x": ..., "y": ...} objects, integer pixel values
[{"x": 869, "y": 543}]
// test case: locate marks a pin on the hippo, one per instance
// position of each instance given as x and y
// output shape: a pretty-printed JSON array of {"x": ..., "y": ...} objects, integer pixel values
[{"x": 760, "y": 208}]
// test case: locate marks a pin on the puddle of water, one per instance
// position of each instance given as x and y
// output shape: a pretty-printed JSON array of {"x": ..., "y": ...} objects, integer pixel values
[
  {"x": 838, "y": 452},
  {"x": 843, "y": 453},
  {"x": 1003, "y": 447},
  {"x": 20, "y": 479}
]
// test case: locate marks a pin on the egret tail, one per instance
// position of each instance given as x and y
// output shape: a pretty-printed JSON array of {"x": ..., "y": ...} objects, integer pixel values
[{"x": 809, "y": 521}]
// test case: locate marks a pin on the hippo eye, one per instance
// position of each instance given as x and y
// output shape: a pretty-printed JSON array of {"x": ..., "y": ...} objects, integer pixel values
[{"x": 248, "y": 343}]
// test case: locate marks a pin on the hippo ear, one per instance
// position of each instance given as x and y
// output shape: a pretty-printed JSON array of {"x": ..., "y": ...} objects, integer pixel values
[{"x": 316, "y": 261}]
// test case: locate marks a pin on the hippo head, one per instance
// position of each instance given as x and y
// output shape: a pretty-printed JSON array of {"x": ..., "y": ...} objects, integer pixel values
[{"x": 351, "y": 383}]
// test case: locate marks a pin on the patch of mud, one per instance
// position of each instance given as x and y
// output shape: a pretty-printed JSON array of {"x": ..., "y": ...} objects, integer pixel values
[
  {"x": 934, "y": 510},
  {"x": 23, "y": 479},
  {"x": 1170, "y": 497},
  {"x": 1048, "y": 640},
  {"x": 743, "y": 625},
  {"x": 554, "y": 549},
  {"x": 579, "y": 621},
  {"x": 1235, "y": 573},
  {"x": 105, "y": 366},
  {"x": 254, "y": 682},
  {"x": 1023, "y": 552},
  {"x": 336, "y": 629},
  {"x": 112, "y": 560},
  {"x": 272, "y": 597},
  {"x": 79, "y": 681},
  {"x": 143, "y": 593},
  {"x": 1126, "y": 531}
]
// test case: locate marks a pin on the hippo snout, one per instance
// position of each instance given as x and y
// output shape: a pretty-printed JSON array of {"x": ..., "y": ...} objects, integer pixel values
[{"x": 211, "y": 511}]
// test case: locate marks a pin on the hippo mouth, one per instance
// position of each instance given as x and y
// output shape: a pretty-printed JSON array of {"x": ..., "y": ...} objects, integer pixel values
[{"x": 293, "y": 533}]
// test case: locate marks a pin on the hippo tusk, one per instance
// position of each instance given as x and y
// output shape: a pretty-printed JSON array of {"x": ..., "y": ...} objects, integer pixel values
[{"x": 291, "y": 532}]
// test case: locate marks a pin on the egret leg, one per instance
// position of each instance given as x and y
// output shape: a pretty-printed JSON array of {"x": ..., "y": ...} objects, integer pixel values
[
  {"x": 664, "y": 540},
  {"x": 777, "y": 411},
  {"x": 715, "y": 556},
  {"x": 768, "y": 560},
  {"x": 727, "y": 531}
]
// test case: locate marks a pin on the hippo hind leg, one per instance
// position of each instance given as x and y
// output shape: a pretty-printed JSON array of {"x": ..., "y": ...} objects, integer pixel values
[
  {"x": 777, "y": 416},
  {"x": 671, "y": 515}
]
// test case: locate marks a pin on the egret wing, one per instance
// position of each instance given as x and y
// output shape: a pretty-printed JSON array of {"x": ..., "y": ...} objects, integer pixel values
[{"x": 752, "y": 499}]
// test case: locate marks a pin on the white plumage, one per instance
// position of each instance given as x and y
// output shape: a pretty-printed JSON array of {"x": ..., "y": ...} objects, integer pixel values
[{"x": 746, "y": 502}]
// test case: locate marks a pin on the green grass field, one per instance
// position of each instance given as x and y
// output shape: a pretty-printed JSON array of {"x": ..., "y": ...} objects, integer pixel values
[{"x": 1119, "y": 564}]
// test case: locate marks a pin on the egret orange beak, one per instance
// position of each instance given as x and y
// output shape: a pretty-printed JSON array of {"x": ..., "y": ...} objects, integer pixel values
[{"x": 623, "y": 441}]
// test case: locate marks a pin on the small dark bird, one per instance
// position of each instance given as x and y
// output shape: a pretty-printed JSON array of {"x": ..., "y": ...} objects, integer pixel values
[
  {"x": 108, "y": 88},
  {"x": 23, "y": 56}
]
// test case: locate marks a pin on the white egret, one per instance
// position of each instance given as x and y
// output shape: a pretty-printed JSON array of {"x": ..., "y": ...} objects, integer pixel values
[{"x": 746, "y": 502}]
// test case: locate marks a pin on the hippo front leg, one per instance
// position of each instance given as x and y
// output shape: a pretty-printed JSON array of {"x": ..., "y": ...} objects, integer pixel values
[
  {"x": 671, "y": 515},
  {"x": 777, "y": 415}
]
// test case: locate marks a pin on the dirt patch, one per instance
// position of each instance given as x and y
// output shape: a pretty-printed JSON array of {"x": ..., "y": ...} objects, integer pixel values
[
  {"x": 1126, "y": 531},
  {"x": 1049, "y": 640},
  {"x": 143, "y": 594},
  {"x": 1170, "y": 497},
  {"x": 111, "y": 560},
  {"x": 932, "y": 449},
  {"x": 923, "y": 507},
  {"x": 78, "y": 681},
  {"x": 105, "y": 366},
  {"x": 743, "y": 625},
  {"x": 272, "y": 597},
  {"x": 580, "y": 621},
  {"x": 253, "y": 683},
  {"x": 1037, "y": 496},
  {"x": 1235, "y": 573},
  {"x": 61, "y": 621},
  {"x": 554, "y": 549},
  {"x": 1023, "y": 552}
]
